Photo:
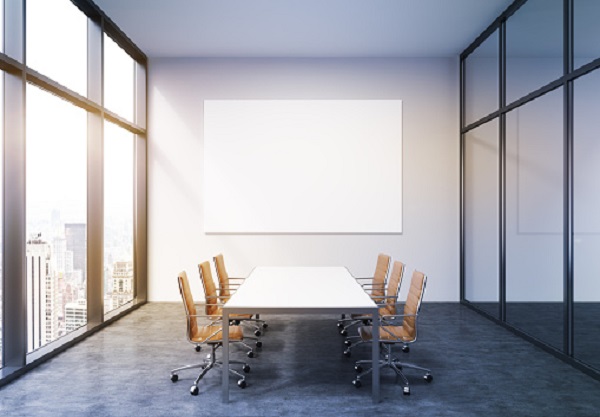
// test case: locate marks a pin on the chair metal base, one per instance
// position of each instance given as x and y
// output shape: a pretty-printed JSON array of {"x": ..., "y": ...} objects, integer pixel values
[
  {"x": 209, "y": 363},
  {"x": 393, "y": 362}
]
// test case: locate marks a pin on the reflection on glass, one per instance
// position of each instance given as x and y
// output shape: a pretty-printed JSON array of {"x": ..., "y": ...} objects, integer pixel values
[
  {"x": 57, "y": 42},
  {"x": 118, "y": 216},
  {"x": 56, "y": 217},
  {"x": 481, "y": 217},
  {"x": 586, "y": 31},
  {"x": 534, "y": 218},
  {"x": 481, "y": 80},
  {"x": 587, "y": 219},
  {"x": 119, "y": 77},
  {"x": 534, "y": 47}
]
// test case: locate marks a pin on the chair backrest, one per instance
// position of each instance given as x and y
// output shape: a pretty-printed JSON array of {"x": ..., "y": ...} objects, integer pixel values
[
  {"x": 393, "y": 288},
  {"x": 210, "y": 291},
  {"x": 188, "y": 303},
  {"x": 413, "y": 303},
  {"x": 223, "y": 277},
  {"x": 381, "y": 272}
]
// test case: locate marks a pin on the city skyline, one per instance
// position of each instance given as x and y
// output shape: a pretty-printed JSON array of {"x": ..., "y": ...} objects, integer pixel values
[{"x": 56, "y": 274}]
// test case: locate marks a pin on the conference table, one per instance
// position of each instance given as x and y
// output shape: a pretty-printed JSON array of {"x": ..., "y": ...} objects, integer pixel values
[{"x": 301, "y": 290}]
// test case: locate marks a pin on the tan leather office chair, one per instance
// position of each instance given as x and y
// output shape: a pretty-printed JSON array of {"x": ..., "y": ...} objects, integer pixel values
[
  {"x": 374, "y": 285},
  {"x": 210, "y": 335},
  {"x": 214, "y": 307},
  {"x": 387, "y": 305},
  {"x": 395, "y": 330},
  {"x": 227, "y": 287}
]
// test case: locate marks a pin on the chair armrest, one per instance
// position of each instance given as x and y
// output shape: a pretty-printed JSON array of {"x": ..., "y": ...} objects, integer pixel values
[
  {"x": 215, "y": 304},
  {"x": 363, "y": 278},
  {"x": 395, "y": 317}
]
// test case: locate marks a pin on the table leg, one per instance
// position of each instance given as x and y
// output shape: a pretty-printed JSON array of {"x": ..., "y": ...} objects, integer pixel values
[
  {"x": 375, "y": 357},
  {"x": 225, "y": 371}
]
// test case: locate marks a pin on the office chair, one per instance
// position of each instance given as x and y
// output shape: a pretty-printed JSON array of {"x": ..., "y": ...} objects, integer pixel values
[
  {"x": 214, "y": 309},
  {"x": 393, "y": 332},
  {"x": 226, "y": 288},
  {"x": 206, "y": 335},
  {"x": 386, "y": 307},
  {"x": 375, "y": 286}
]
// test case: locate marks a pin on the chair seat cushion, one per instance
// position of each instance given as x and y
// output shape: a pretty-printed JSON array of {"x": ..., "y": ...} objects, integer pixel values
[
  {"x": 219, "y": 313},
  {"x": 385, "y": 310},
  {"x": 213, "y": 334},
  {"x": 386, "y": 334}
]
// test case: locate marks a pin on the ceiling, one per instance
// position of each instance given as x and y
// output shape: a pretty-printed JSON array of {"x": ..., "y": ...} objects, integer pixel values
[{"x": 302, "y": 28}]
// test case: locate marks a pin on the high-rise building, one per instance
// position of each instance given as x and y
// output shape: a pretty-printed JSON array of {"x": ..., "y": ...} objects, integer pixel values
[
  {"x": 122, "y": 283},
  {"x": 42, "y": 294},
  {"x": 75, "y": 234},
  {"x": 59, "y": 254},
  {"x": 75, "y": 315}
]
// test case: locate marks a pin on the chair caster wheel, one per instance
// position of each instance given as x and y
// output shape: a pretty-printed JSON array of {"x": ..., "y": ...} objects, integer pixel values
[
  {"x": 194, "y": 390},
  {"x": 257, "y": 333},
  {"x": 340, "y": 325},
  {"x": 198, "y": 348},
  {"x": 265, "y": 325},
  {"x": 358, "y": 369},
  {"x": 246, "y": 368},
  {"x": 405, "y": 349},
  {"x": 348, "y": 343},
  {"x": 366, "y": 322},
  {"x": 344, "y": 332},
  {"x": 428, "y": 377},
  {"x": 258, "y": 344},
  {"x": 357, "y": 383},
  {"x": 406, "y": 391},
  {"x": 242, "y": 383},
  {"x": 236, "y": 322},
  {"x": 174, "y": 378},
  {"x": 347, "y": 353},
  {"x": 250, "y": 354}
]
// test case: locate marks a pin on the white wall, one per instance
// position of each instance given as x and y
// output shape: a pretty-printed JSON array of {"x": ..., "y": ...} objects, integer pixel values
[{"x": 176, "y": 238}]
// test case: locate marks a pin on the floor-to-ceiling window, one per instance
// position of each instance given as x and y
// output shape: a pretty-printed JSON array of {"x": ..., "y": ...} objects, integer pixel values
[
  {"x": 56, "y": 139},
  {"x": 73, "y": 176},
  {"x": 541, "y": 213},
  {"x": 118, "y": 216},
  {"x": 56, "y": 215}
]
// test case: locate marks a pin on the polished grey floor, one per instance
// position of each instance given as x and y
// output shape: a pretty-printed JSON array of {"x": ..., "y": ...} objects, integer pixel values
[{"x": 479, "y": 369}]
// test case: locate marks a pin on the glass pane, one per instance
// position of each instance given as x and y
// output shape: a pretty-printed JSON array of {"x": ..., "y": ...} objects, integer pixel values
[
  {"x": 534, "y": 47},
  {"x": 534, "y": 218},
  {"x": 57, "y": 42},
  {"x": 118, "y": 80},
  {"x": 481, "y": 217},
  {"x": 56, "y": 216},
  {"x": 481, "y": 80},
  {"x": 118, "y": 216},
  {"x": 586, "y": 31},
  {"x": 1, "y": 50},
  {"x": 1, "y": 203},
  {"x": 587, "y": 218}
]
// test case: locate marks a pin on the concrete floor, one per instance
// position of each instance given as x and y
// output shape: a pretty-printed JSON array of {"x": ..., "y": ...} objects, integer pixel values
[{"x": 479, "y": 369}]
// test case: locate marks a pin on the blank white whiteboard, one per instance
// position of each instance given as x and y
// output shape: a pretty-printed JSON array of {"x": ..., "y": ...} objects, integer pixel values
[{"x": 303, "y": 166}]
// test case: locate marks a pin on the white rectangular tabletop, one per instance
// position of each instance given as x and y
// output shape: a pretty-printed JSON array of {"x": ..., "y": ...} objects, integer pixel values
[{"x": 300, "y": 290}]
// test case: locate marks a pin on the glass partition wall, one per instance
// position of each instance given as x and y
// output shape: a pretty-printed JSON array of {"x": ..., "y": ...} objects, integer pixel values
[
  {"x": 530, "y": 163},
  {"x": 72, "y": 124}
]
